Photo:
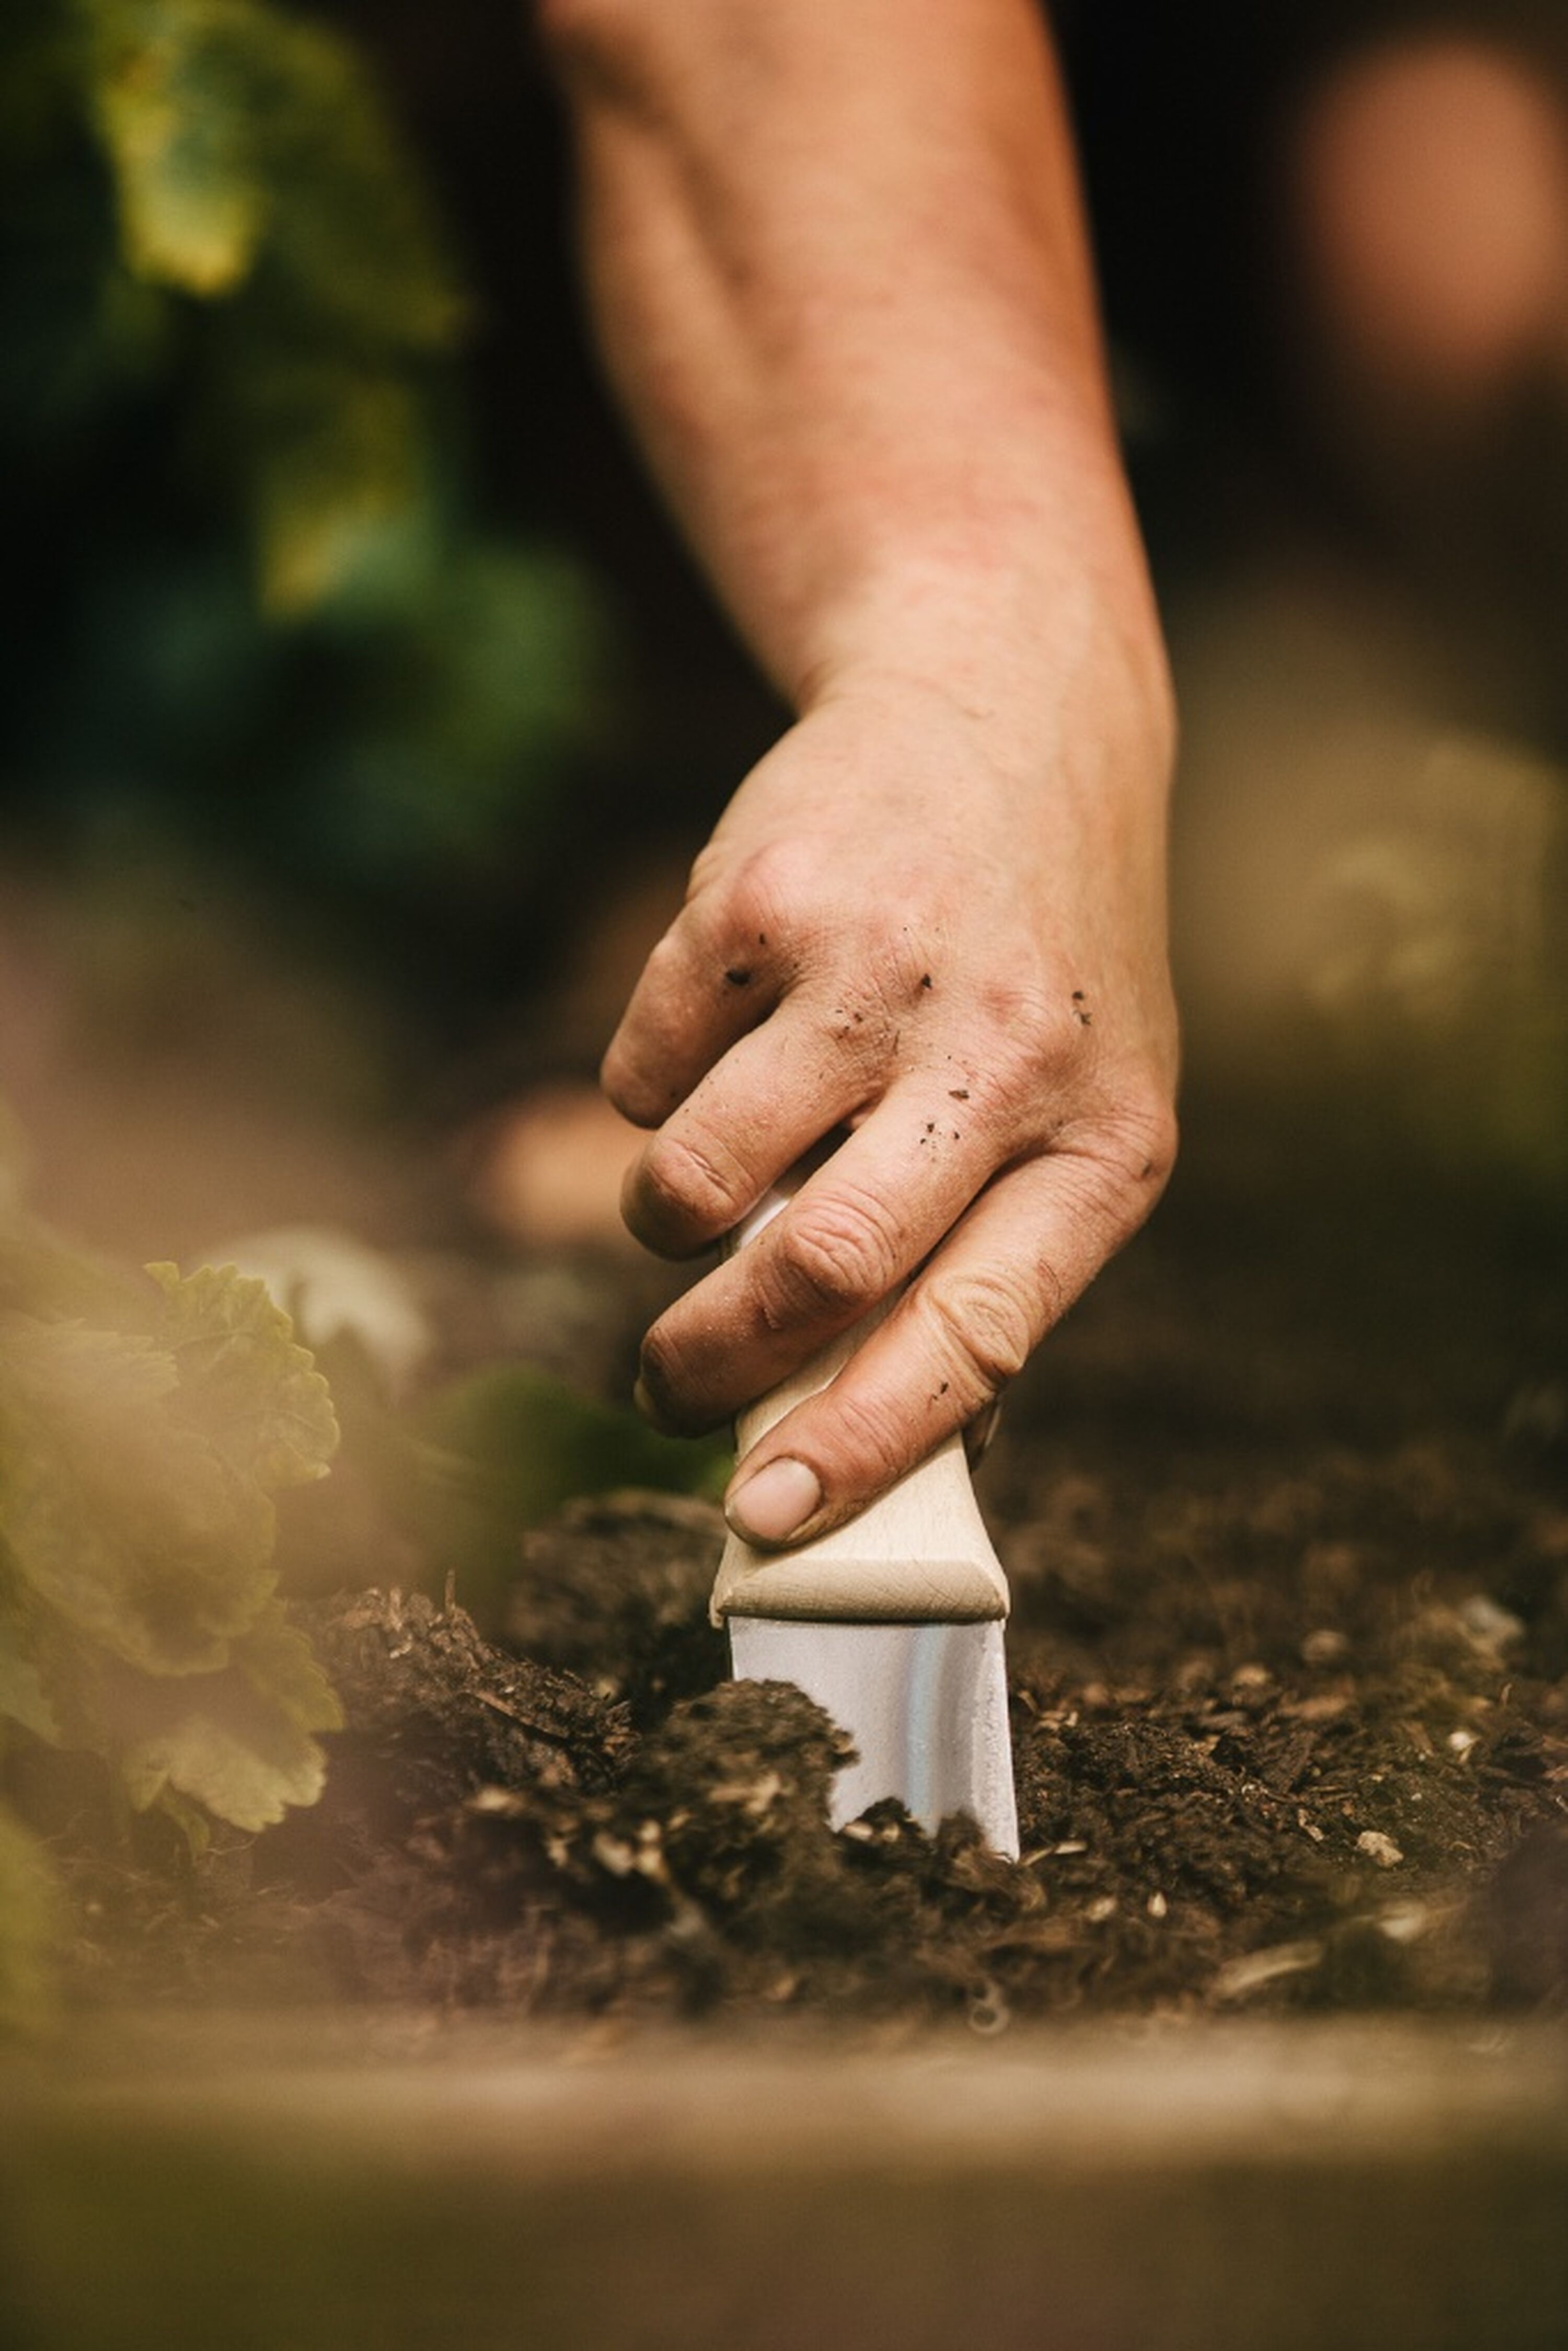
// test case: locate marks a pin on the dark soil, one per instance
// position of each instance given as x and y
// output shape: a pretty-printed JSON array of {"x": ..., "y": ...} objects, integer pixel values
[{"x": 1285, "y": 1508}]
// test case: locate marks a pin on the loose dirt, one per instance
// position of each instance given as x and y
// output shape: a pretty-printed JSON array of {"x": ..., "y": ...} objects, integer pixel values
[{"x": 1285, "y": 1508}]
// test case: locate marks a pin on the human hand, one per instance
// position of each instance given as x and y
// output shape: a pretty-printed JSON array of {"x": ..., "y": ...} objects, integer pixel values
[{"x": 949, "y": 939}]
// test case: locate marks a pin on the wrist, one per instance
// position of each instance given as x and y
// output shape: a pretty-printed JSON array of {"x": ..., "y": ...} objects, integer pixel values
[{"x": 1025, "y": 647}]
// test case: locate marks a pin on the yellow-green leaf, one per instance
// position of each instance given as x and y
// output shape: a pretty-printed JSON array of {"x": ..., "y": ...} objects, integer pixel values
[
  {"x": 123, "y": 1518},
  {"x": 173, "y": 118},
  {"x": 240, "y": 1742},
  {"x": 245, "y": 1381},
  {"x": 339, "y": 459}
]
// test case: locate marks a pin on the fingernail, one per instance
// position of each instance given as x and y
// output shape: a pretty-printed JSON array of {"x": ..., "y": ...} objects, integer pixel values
[{"x": 769, "y": 1505}]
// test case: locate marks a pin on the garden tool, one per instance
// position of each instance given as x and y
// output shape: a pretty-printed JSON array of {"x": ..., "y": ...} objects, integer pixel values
[{"x": 892, "y": 1623}]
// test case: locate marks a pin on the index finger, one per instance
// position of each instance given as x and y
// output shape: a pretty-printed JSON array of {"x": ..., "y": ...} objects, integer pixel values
[
  {"x": 702, "y": 989},
  {"x": 858, "y": 1225}
]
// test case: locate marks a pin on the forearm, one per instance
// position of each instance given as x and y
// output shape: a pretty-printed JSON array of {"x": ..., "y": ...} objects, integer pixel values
[
  {"x": 838, "y": 260},
  {"x": 841, "y": 279}
]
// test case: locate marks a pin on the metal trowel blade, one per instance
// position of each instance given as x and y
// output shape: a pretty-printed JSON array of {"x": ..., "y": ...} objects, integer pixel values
[{"x": 925, "y": 1705}]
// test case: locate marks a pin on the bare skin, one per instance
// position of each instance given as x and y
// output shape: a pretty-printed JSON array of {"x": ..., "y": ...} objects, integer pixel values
[{"x": 842, "y": 281}]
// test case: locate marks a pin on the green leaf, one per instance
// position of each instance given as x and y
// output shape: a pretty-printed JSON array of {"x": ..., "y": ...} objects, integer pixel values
[
  {"x": 245, "y": 1381},
  {"x": 238, "y": 1741},
  {"x": 138, "y": 1454},
  {"x": 524, "y": 1442},
  {"x": 278, "y": 1663},
  {"x": 504, "y": 1448},
  {"x": 353, "y": 238},
  {"x": 136, "y": 1469},
  {"x": 126, "y": 1523},
  {"x": 489, "y": 664},
  {"x": 242, "y": 137},
  {"x": 256, "y": 169},
  {"x": 172, "y": 111},
  {"x": 338, "y": 458},
  {"x": 193, "y": 1820}
]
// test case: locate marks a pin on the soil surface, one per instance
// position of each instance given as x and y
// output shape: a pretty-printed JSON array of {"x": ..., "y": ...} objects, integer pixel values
[{"x": 1285, "y": 1509}]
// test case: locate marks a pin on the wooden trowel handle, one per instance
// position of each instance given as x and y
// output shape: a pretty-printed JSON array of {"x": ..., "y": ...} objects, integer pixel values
[{"x": 919, "y": 1555}]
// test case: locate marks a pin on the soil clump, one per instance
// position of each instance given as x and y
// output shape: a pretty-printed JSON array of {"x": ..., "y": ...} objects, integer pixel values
[{"x": 1290, "y": 1673}]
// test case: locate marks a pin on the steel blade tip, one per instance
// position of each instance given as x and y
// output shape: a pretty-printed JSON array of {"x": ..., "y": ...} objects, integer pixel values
[{"x": 925, "y": 1705}]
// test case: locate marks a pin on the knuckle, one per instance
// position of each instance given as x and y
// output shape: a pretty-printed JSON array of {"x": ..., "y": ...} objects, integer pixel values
[
  {"x": 984, "y": 1327},
  {"x": 871, "y": 1441},
  {"x": 1029, "y": 1021},
  {"x": 899, "y": 953},
  {"x": 854, "y": 1028},
  {"x": 790, "y": 900},
  {"x": 1034, "y": 1050},
  {"x": 767, "y": 892},
  {"x": 762, "y": 906},
  {"x": 667, "y": 1373},
  {"x": 996, "y": 1103},
  {"x": 835, "y": 1254},
  {"x": 1158, "y": 1139},
  {"x": 682, "y": 1184},
  {"x": 1133, "y": 1150}
]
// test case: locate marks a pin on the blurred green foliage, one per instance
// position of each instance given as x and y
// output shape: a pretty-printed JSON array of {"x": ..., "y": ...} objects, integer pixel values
[
  {"x": 438, "y": 1478},
  {"x": 147, "y": 1421},
  {"x": 507, "y": 1447},
  {"x": 261, "y": 607},
  {"x": 146, "y": 1424},
  {"x": 252, "y": 170}
]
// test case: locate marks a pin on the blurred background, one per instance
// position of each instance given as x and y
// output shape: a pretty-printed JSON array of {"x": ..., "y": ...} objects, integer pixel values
[
  {"x": 361, "y": 716},
  {"x": 362, "y": 712}
]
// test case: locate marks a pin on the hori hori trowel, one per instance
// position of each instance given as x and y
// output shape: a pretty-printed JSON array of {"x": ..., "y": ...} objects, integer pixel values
[{"x": 892, "y": 1623}]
